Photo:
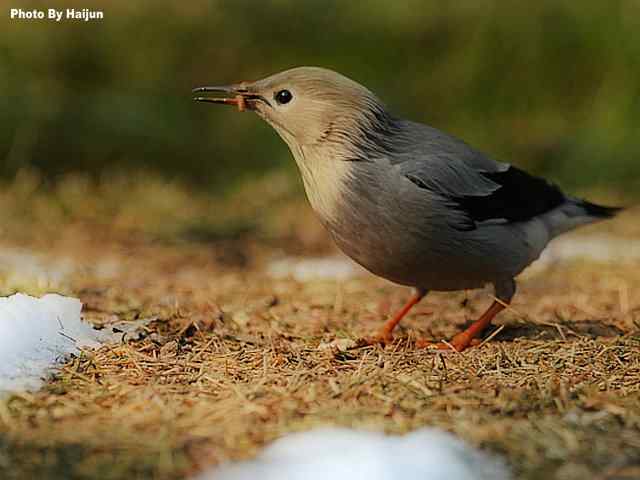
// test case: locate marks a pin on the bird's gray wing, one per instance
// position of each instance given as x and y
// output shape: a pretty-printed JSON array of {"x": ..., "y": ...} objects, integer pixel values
[{"x": 480, "y": 188}]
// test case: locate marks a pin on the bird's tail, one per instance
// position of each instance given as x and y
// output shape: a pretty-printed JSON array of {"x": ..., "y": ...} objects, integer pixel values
[
  {"x": 576, "y": 212},
  {"x": 598, "y": 212}
]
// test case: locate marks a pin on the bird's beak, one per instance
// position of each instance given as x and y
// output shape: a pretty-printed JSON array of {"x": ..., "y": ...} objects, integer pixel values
[{"x": 238, "y": 95}]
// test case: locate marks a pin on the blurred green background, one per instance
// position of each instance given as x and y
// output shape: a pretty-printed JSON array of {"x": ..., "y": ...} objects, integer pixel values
[{"x": 553, "y": 86}]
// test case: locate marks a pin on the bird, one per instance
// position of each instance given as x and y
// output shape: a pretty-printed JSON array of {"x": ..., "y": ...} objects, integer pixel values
[{"x": 410, "y": 203}]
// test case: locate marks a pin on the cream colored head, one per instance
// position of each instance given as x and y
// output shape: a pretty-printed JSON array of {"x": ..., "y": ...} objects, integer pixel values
[
  {"x": 323, "y": 109},
  {"x": 325, "y": 118},
  {"x": 310, "y": 107}
]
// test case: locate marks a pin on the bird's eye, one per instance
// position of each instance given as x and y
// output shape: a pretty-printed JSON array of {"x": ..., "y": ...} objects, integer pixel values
[{"x": 283, "y": 96}]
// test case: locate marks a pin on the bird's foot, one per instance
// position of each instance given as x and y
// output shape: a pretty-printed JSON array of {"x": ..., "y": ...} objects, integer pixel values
[
  {"x": 467, "y": 338},
  {"x": 460, "y": 342}
]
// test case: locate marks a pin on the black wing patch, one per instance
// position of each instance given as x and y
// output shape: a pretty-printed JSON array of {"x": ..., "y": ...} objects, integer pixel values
[{"x": 520, "y": 197}]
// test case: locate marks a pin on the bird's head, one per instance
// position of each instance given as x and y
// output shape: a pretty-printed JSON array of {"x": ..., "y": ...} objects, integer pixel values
[{"x": 315, "y": 110}]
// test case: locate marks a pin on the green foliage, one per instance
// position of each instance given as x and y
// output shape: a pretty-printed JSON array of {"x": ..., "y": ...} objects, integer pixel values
[{"x": 553, "y": 86}]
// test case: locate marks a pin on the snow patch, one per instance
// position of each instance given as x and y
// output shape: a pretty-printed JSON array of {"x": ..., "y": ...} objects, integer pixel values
[
  {"x": 595, "y": 248},
  {"x": 337, "y": 453},
  {"x": 38, "y": 333},
  {"x": 303, "y": 269}
]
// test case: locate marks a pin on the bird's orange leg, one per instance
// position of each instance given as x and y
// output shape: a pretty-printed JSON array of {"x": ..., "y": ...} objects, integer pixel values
[
  {"x": 466, "y": 338},
  {"x": 385, "y": 335}
]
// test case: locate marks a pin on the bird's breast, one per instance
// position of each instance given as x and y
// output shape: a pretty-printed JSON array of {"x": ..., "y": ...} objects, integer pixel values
[
  {"x": 373, "y": 220},
  {"x": 347, "y": 200}
]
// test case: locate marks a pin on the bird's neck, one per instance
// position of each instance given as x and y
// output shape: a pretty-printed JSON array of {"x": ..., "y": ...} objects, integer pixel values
[{"x": 324, "y": 175}]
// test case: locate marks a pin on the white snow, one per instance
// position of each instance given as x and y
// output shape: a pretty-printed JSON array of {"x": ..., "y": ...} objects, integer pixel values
[
  {"x": 303, "y": 269},
  {"x": 36, "y": 334},
  {"x": 342, "y": 454},
  {"x": 597, "y": 248}
]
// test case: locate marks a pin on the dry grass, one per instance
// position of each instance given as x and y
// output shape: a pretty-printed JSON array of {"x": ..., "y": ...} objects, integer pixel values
[{"x": 235, "y": 358}]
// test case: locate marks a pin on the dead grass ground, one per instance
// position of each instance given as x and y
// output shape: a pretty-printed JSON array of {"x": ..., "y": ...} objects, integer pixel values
[{"x": 234, "y": 358}]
